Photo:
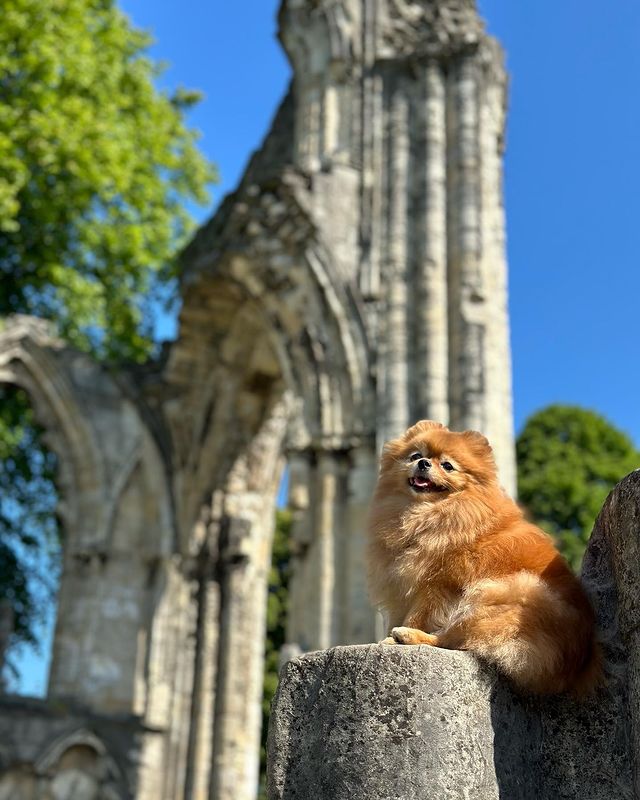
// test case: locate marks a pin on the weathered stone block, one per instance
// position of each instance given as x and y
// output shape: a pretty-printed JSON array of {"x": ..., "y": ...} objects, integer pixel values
[{"x": 376, "y": 721}]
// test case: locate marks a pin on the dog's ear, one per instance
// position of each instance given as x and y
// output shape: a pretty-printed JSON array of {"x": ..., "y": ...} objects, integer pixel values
[
  {"x": 423, "y": 426},
  {"x": 392, "y": 451},
  {"x": 392, "y": 447},
  {"x": 477, "y": 441}
]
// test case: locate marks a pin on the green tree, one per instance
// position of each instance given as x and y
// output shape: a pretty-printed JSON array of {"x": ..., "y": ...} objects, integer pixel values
[
  {"x": 569, "y": 459},
  {"x": 96, "y": 168},
  {"x": 277, "y": 608}
]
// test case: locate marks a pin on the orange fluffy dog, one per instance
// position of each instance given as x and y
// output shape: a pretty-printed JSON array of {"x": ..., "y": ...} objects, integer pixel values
[{"x": 454, "y": 564}]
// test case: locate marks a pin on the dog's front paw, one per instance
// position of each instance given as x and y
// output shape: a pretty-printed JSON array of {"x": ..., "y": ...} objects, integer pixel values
[
  {"x": 413, "y": 636},
  {"x": 388, "y": 640}
]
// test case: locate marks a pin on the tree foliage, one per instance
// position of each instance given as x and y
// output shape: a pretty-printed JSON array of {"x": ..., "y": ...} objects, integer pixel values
[
  {"x": 569, "y": 459},
  {"x": 97, "y": 167}
]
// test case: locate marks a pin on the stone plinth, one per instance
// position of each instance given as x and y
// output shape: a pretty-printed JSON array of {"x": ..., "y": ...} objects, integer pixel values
[
  {"x": 380, "y": 722},
  {"x": 376, "y": 721}
]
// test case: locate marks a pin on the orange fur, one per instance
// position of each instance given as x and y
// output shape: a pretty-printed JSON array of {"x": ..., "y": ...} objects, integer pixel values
[{"x": 454, "y": 564}]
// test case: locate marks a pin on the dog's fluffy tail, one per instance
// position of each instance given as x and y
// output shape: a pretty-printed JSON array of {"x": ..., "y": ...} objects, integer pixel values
[{"x": 591, "y": 676}]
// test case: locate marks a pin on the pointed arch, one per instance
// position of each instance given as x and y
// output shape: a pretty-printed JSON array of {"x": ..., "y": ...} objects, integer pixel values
[{"x": 266, "y": 309}]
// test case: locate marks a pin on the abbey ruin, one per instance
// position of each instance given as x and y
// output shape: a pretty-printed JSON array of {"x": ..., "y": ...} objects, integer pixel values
[{"x": 354, "y": 282}]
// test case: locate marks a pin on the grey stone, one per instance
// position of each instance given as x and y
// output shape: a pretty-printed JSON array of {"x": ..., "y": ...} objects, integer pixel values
[{"x": 377, "y": 721}]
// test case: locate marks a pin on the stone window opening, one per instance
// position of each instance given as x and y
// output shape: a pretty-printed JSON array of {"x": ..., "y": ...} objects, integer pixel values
[{"x": 30, "y": 546}]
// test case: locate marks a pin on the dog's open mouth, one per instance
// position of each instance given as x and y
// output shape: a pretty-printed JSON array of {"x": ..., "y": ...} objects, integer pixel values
[{"x": 421, "y": 484}]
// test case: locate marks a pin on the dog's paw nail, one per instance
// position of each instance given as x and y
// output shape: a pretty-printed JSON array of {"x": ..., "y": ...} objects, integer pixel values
[{"x": 400, "y": 635}]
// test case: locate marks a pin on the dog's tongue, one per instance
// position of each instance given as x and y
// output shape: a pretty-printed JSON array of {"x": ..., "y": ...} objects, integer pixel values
[{"x": 420, "y": 481}]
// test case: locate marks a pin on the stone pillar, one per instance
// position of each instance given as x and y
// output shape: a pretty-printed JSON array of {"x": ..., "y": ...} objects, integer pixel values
[
  {"x": 354, "y": 723},
  {"x": 330, "y": 476},
  {"x": 244, "y": 559},
  {"x": 499, "y": 411},
  {"x": 328, "y": 597},
  {"x": 393, "y": 357},
  {"x": 301, "y": 491},
  {"x": 314, "y": 587},
  {"x": 430, "y": 398},
  {"x": 174, "y": 764},
  {"x": 204, "y": 686},
  {"x": 467, "y": 292},
  {"x": 356, "y": 619},
  {"x": 168, "y": 678},
  {"x": 372, "y": 195},
  {"x": 479, "y": 357},
  {"x": 387, "y": 722}
]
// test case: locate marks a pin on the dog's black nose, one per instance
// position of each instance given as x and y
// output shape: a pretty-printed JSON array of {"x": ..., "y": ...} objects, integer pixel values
[{"x": 423, "y": 464}]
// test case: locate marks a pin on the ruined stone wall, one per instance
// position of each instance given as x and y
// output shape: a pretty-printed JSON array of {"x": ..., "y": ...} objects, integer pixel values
[
  {"x": 125, "y": 607},
  {"x": 354, "y": 282},
  {"x": 400, "y": 115}
]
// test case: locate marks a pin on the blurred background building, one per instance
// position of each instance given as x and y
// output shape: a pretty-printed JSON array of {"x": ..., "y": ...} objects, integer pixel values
[{"x": 353, "y": 283}]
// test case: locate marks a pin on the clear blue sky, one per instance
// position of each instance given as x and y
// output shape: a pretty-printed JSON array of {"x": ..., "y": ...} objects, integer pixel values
[
  {"x": 572, "y": 177},
  {"x": 572, "y": 171}
]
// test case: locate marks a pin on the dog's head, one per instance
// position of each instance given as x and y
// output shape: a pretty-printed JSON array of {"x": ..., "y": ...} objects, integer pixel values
[{"x": 430, "y": 463}]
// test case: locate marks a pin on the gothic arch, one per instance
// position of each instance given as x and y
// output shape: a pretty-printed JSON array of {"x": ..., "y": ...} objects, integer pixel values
[
  {"x": 79, "y": 737},
  {"x": 90, "y": 423},
  {"x": 262, "y": 295},
  {"x": 271, "y": 358},
  {"x": 83, "y": 755},
  {"x": 30, "y": 359},
  {"x": 117, "y": 512}
]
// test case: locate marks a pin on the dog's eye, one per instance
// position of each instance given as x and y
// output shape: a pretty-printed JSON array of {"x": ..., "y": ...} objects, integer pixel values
[
  {"x": 415, "y": 456},
  {"x": 448, "y": 466}
]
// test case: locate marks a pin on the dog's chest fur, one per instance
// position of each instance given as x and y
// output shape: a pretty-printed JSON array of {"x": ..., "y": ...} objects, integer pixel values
[{"x": 429, "y": 575}]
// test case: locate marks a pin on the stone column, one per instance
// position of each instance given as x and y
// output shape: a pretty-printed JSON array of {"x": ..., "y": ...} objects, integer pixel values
[
  {"x": 499, "y": 411},
  {"x": 309, "y": 128},
  {"x": 244, "y": 559},
  {"x": 479, "y": 357},
  {"x": 168, "y": 675},
  {"x": 467, "y": 292},
  {"x": 429, "y": 318},
  {"x": 184, "y": 624},
  {"x": 301, "y": 491},
  {"x": 328, "y": 596},
  {"x": 356, "y": 619},
  {"x": 204, "y": 689},
  {"x": 372, "y": 194},
  {"x": 393, "y": 358},
  {"x": 328, "y": 518}
]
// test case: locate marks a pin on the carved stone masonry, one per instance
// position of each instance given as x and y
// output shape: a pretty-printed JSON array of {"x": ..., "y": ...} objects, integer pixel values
[
  {"x": 416, "y": 28},
  {"x": 354, "y": 282}
]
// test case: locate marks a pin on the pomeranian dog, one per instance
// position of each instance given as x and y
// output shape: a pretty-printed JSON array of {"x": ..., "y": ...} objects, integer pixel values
[{"x": 454, "y": 564}]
